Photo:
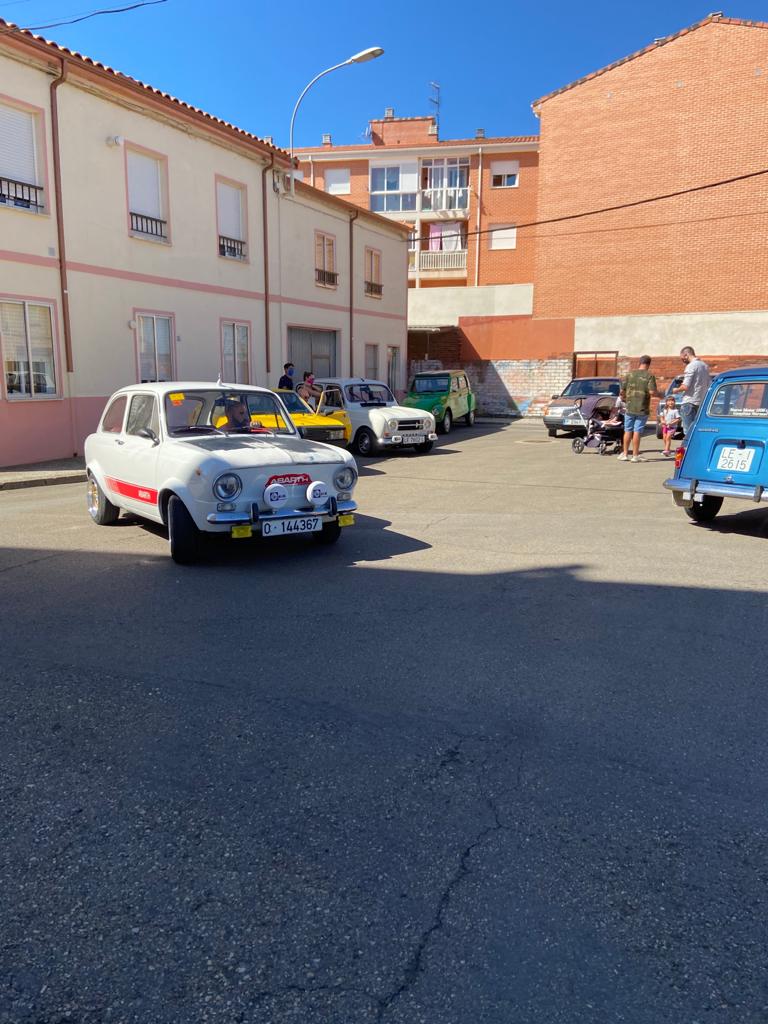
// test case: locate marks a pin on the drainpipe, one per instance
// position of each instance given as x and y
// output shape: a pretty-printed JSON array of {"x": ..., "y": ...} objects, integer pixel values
[
  {"x": 479, "y": 207},
  {"x": 60, "y": 215},
  {"x": 352, "y": 220},
  {"x": 265, "y": 230}
]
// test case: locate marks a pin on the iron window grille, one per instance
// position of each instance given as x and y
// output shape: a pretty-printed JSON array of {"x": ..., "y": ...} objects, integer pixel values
[
  {"x": 327, "y": 277},
  {"x": 232, "y": 248},
  {"x": 372, "y": 288},
  {"x": 153, "y": 227},
  {"x": 21, "y": 194}
]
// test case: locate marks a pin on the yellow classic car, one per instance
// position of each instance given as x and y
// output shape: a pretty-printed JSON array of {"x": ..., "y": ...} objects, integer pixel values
[
  {"x": 311, "y": 425},
  {"x": 314, "y": 426}
]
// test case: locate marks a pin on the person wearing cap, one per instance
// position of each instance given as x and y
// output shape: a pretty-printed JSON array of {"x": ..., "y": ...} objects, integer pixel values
[{"x": 286, "y": 381}]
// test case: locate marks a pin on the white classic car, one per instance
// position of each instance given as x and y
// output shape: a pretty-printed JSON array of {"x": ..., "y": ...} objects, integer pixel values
[
  {"x": 377, "y": 420},
  {"x": 198, "y": 458}
]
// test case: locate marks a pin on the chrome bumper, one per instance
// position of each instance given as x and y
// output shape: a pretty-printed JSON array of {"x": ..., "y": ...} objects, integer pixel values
[
  {"x": 397, "y": 439},
  {"x": 253, "y": 516},
  {"x": 690, "y": 489}
]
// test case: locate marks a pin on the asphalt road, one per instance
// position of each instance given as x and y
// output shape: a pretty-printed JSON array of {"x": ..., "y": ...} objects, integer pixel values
[{"x": 498, "y": 756}]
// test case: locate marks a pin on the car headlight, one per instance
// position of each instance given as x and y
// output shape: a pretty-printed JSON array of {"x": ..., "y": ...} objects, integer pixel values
[
  {"x": 437, "y": 409},
  {"x": 345, "y": 478},
  {"x": 392, "y": 426},
  {"x": 227, "y": 486},
  {"x": 427, "y": 423}
]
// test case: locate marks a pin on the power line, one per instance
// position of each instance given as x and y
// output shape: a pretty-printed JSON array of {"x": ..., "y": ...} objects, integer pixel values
[
  {"x": 95, "y": 14},
  {"x": 620, "y": 206}
]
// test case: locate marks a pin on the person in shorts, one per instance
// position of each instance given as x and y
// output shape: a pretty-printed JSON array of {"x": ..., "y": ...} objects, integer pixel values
[
  {"x": 670, "y": 424},
  {"x": 694, "y": 388},
  {"x": 637, "y": 389}
]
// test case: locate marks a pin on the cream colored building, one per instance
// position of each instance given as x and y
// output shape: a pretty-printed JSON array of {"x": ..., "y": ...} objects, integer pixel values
[{"x": 143, "y": 239}]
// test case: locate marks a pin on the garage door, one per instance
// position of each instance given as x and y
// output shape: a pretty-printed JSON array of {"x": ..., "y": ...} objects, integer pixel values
[{"x": 312, "y": 350}]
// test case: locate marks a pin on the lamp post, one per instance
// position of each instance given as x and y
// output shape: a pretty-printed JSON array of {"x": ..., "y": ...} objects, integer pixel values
[{"x": 358, "y": 58}]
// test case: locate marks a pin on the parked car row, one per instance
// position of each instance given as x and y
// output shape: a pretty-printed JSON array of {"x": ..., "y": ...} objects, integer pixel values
[{"x": 241, "y": 460}]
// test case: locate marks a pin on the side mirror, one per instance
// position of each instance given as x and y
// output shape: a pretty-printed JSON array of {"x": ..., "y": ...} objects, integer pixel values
[
  {"x": 149, "y": 434},
  {"x": 555, "y": 396}
]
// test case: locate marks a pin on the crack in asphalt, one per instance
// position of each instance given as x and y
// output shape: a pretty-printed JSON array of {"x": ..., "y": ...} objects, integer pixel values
[{"x": 414, "y": 966}]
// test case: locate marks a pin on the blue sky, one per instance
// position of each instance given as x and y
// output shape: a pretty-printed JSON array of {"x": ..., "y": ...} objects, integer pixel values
[{"x": 247, "y": 61}]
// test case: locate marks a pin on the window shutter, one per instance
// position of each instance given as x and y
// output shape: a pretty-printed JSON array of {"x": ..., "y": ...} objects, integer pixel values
[
  {"x": 319, "y": 252},
  {"x": 228, "y": 353},
  {"x": 503, "y": 237},
  {"x": 330, "y": 254},
  {"x": 505, "y": 167},
  {"x": 409, "y": 177},
  {"x": 17, "y": 146},
  {"x": 337, "y": 181},
  {"x": 241, "y": 353},
  {"x": 144, "y": 185},
  {"x": 230, "y": 203}
]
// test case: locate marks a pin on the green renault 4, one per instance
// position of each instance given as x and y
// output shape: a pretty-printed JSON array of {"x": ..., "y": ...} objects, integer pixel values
[{"x": 444, "y": 393}]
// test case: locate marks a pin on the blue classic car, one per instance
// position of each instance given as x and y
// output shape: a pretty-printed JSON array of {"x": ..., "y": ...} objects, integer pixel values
[{"x": 724, "y": 455}]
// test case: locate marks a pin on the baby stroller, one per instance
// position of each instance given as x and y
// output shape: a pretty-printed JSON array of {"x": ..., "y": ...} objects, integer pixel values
[{"x": 594, "y": 414}]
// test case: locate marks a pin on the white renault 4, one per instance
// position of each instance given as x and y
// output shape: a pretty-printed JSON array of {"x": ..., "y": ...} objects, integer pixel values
[{"x": 378, "y": 422}]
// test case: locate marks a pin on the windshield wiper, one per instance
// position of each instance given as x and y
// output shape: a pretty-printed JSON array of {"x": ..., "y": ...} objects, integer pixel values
[
  {"x": 204, "y": 429},
  {"x": 367, "y": 404}
]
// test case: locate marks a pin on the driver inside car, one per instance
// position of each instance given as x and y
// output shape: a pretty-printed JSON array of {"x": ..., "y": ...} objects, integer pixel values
[{"x": 237, "y": 417}]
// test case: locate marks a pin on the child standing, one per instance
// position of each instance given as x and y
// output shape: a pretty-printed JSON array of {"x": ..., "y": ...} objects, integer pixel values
[{"x": 670, "y": 424}]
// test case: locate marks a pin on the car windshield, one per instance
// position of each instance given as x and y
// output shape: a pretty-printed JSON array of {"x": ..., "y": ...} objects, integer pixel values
[
  {"x": 591, "y": 386},
  {"x": 427, "y": 385},
  {"x": 368, "y": 394},
  {"x": 225, "y": 411},
  {"x": 745, "y": 399},
  {"x": 295, "y": 403}
]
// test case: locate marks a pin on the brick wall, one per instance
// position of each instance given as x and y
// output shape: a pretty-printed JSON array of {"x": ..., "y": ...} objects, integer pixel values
[
  {"x": 682, "y": 114},
  {"x": 509, "y": 387}
]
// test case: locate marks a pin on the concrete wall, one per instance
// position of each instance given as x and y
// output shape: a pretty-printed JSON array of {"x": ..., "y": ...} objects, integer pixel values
[
  {"x": 437, "y": 307},
  {"x": 665, "y": 335}
]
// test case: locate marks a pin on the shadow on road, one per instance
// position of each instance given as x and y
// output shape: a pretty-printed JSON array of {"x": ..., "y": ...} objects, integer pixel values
[{"x": 302, "y": 785}]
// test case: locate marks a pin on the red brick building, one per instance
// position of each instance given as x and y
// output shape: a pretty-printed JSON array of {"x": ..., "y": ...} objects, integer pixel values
[{"x": 635, "y": 223}]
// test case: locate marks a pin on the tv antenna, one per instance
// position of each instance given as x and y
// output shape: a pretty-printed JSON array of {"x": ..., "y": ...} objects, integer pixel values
[{"x": 434, "y": 99}]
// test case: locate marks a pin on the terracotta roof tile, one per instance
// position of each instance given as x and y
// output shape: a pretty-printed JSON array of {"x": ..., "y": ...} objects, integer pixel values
[{"x": 709, "y": 20}]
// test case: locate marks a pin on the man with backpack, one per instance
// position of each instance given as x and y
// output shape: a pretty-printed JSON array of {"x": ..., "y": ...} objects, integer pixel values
[{"x": 637, "y": 388}]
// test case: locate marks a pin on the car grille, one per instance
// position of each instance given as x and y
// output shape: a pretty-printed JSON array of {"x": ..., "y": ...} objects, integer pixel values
[
  {"x": 406, "y": 425},
  {"x": 324, "y": 433}
]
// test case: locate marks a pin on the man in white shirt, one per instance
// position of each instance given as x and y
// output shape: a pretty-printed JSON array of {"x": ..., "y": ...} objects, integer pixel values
[{"x": 694, "y": 388}]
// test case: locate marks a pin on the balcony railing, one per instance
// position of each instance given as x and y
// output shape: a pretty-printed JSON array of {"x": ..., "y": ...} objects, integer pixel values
[
  {"x": 327, "y": 277},
  {"x": 152, "y": 227},
  {"x": 456, "y": 260},
  {"x": 21, "y": 195},
  {"x": 372, "y": 288},
  {"x": 444, "y": 199},
  {"x": 232, "y": 248}
]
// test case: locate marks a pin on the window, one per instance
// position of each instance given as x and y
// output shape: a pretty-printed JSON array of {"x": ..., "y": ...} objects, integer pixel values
[
  {"x": 393, "y": 187},
  {"x": 325, "y": 260},
  {"x": 502, "y": 236},
  {"x": 26, "y": 337},
  {"x": 372, "y": 362},
  {"x": 393, "y": 367},
  {"x": 447, "y": 236},
  {"x": 235, "y": 345},
  {"x": 372, "y": 277},
  {"x": 744, "y": 399},
  {"x": 313, "y": 350},
  {"x": 113, "y": 417},
  {"x": 337, "y": 181},
  {"x": 230, "y": 208},
  {"x": 19, "y": 172},
  {"x": 146, "y": 199},
  {"x": 143, "y": 415},
  {"x": 445, "y": 184},
  {"x": 155, "y": 347},
  {"x": 504, "y": 173},
  {"x": 332, "y": 398}
]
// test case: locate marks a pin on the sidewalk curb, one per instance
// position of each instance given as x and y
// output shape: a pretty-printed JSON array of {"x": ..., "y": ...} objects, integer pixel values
[{"x": 16, "y": 485}]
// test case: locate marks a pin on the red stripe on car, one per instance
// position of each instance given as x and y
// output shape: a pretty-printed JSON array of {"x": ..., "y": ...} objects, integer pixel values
[{"x": 145, "y": 494}]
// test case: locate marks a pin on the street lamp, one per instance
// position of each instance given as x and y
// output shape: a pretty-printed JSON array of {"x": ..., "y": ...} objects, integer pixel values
[{"x": 358, "y": 58}]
